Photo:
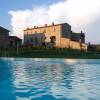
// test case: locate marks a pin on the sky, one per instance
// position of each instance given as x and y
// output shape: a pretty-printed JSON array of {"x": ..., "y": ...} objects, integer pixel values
[{"x": 17, "y": 15}]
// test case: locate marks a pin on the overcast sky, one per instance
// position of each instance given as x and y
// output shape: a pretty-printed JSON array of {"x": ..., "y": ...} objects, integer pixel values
[{"x": 17, "y": 15}]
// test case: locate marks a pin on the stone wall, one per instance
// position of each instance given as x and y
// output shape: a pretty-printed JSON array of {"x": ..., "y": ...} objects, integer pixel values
[
  {"x": 47, "y": 31},
  {"x": 75, "y": 45},
  {"x": 65, "y": 43},
  {"x": 4, "y": 41}
]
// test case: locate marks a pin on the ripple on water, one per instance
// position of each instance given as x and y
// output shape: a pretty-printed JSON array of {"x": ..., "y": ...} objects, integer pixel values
[{"x": 49, "y": 79}]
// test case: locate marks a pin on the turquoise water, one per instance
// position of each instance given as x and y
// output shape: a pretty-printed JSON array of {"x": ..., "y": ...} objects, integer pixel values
[{"x": 49, "y": 79}]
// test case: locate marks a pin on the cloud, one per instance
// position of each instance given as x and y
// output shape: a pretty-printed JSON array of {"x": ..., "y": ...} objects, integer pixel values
[{"x": 79, "y": 13}]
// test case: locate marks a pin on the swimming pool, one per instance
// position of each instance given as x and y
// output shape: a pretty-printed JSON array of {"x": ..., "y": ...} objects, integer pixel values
[{"x": 49, "y": 79}]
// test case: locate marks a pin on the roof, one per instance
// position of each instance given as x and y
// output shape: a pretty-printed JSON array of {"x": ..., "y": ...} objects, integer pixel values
[
  {"x": 4, "y": 29},
  {"x": 36, "y": 27},
  {"x": 15, "y": 38},
  {"x": 77, "y": 34}
]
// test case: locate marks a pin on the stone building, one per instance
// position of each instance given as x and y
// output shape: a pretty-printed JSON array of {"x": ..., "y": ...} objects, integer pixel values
[
  {"x": 4, "y": 40},
  {"x": 7, "y": 41},
  {"x": 57, "y": 35},
  {"x": 14, "y": 41}
]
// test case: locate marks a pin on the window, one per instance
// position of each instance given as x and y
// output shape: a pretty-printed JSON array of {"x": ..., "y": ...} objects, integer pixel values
[
  {"x": 31, "y": 40},
  {"x": 44, "y": 31},
  {"x": 53, "y": 39},
  {"x": 36, "y": 41},
  {"x": 35, "y": 31}
]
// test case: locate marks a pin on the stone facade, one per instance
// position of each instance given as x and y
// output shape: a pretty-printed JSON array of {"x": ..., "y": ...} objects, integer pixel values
[
  {"x": 59, "y": 35},
  {"x": 4, "y": 40}
]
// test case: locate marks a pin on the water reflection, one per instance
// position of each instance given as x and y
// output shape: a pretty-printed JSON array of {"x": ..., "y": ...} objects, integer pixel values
[
  {"x": 6, "y": 81},
  {"x": 70, "y": 61},
  {"x": 50, "y": 79}
]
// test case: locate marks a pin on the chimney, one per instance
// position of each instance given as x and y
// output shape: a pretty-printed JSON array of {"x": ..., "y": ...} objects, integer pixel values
[
  {"x": 46, "y": 25},
  {"x": 81, "y": 31},
  {"x": 34, "y": 26},
  {"x": 53, "y": 24}
]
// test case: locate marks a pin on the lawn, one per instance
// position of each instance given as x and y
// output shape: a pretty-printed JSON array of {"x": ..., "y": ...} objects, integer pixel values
[{"x": 49, "y": 53}]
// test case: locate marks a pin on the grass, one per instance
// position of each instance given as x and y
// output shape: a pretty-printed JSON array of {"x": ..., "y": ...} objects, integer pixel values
[{"x": 49, "y": 53}]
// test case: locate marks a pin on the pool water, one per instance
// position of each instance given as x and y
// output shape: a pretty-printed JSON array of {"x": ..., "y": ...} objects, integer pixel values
[{"x": 49, "y": 79}]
